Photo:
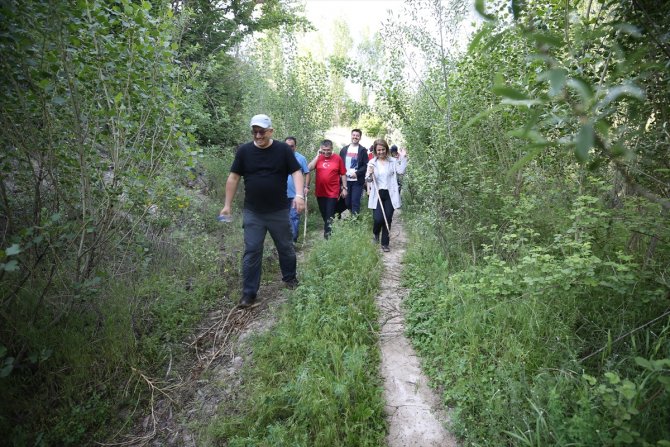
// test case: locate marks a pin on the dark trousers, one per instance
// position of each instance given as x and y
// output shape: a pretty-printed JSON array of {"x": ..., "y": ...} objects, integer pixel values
[
  {"x": 378, "y": 224},
  {"x": 294, "y": 218},
  {"x": 327, "y": 208},
  {"x": 353, "y": 199},
  {"x": 256, "y": 225}
]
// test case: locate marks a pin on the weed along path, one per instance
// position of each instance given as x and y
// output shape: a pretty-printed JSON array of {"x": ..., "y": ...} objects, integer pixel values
[
  {"x": 206, "y": 380},
  {"x": 414, "y": 411}
]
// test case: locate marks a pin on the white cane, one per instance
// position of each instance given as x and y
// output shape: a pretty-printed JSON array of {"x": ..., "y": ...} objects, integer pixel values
[{"x": 304, "y": 231}]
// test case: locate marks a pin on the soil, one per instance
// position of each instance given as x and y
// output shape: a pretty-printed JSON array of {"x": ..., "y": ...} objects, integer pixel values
[
  {"x": 187, "y": 400},
  {"x": 415, "y": 414}
]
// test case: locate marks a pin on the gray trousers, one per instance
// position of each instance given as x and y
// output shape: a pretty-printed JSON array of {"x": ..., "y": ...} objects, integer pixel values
[{"x": 256, "y": 225}]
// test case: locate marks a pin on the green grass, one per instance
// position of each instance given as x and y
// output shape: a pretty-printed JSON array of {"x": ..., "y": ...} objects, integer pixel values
[
  {"x": 77, "y": 381},
  {"x": 314, "y": 377},
  {"x": 504, "y": 339}
]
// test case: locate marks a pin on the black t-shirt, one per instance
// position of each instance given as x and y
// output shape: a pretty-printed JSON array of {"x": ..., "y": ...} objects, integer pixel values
[{"x": 265, "y": 172}]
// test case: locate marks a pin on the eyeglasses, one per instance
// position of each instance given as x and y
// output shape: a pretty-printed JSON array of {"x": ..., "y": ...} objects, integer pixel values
[{"x": 259, "y": 132}]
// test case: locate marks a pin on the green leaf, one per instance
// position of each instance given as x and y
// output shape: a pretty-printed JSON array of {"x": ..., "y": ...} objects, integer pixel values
[
  {"x": 550, "y": 39},
  {"x": 646, "y": 364},
  {"x": 480, "y": 7},
  {"x": 533, "y": 151},
  {"x": 509, "y": 92},
  {"x": 590, "y": 379},
  {"x": 7, "y": 367},
  {"x": 556, "y": 78},
  {"x": 10, "y": 266},
  {"x": 516, "y": 8},
  {"x": 118, "y": 98},
  {"x": 627, "y": 389},
  {"x": 14, "y": 249},
  {"x": 630, "y": 29},
  {"x": 584, "y": 142},
  {"x": 620, "y": 91},
  {"x": 523, "y": 102},
  {"x": 612, "y": 377},
  {"x": 478, "y": 117},
  {"x": 581, "y": 87}
]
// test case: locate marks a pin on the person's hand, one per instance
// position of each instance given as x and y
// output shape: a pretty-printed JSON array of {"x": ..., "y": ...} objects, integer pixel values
[
  {"x": 225, "y": 212},
  {"x": 402, "y": 152},
  {"x": 343, "y": 193},
  {"x": 299, "y": 204}
]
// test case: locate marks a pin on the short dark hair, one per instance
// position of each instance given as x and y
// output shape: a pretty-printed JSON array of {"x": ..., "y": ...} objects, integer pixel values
[
  {"x": 295, "y": 140},
  {"x": 360, "y": 132},
  {"x": 327, "y": 143}
]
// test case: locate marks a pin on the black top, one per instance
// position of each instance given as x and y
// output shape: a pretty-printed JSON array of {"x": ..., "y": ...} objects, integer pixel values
[{"x": 265, "y": 172}]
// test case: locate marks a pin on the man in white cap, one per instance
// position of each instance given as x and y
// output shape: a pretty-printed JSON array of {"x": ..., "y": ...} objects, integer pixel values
[{"x": 265, "y": 164}]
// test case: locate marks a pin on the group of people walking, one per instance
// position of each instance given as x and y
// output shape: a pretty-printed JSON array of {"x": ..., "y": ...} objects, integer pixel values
[{"x": 277, "y": 178}]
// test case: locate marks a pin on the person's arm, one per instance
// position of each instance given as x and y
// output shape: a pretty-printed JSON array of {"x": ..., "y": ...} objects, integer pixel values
[
  {"x": 298, "y": 181},
  {"x": 308, "y": 178},
  {"x": 343, "y": 178},
  {"x": 403, "y": 161},
  {"x": 231, "y": 188},
  {"x": 312, "y": 164}
]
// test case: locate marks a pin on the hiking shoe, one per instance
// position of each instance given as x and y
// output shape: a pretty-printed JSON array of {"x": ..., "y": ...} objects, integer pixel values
[
  {"x": 246, "y": 301},
  {"x": 292, "y": 283},
  {"x": 385, "y": 248}
]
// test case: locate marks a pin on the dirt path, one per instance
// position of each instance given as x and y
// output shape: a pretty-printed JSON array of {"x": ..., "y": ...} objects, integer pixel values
[
  {"x": 413, "y": 409},
  {"x": 191, "y": 395}
]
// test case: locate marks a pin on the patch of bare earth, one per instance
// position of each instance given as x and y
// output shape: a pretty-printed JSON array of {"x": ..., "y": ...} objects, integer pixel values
[
  {"x": 415, "y": 414},
  {"x": 208, "y": 380}
]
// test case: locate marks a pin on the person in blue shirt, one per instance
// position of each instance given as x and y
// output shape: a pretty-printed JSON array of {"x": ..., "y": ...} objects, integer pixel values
[{"x": 293, "y": 215}]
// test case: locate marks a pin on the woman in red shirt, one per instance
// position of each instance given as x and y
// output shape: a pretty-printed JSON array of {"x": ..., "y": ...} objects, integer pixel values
[{"x": 331, "y": 182}]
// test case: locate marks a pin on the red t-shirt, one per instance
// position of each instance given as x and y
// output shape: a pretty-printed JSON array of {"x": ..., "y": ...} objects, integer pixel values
[{"x": 328, "y": 172}]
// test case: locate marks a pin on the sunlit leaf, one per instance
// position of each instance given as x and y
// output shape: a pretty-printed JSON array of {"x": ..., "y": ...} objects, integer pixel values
[
  {"x": 13, "y": 250},
  {"x": 620, "y": 91},
  {"x": 521, "y": 102},
  {"x": 10, "y": 266},
  {"x": 629, "y": 29}
]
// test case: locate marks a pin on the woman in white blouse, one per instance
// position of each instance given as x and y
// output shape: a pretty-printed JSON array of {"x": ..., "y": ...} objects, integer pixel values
[{"x": 382, "y": 178}]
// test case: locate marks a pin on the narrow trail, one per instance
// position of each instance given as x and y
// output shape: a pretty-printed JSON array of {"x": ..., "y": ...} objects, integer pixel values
[
  {"x": 210, "y": 378},
  {"x": 414, "y": 411}
]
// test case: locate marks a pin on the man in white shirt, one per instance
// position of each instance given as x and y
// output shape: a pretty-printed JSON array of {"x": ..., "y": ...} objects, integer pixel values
[{"x": 355, "y": 159}]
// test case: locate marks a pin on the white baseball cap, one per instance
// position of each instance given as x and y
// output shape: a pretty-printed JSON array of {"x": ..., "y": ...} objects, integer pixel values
[{"x": 263, "y": 121}]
